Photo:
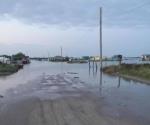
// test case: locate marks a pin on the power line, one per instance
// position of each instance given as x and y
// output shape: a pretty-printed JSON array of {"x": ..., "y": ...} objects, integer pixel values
[{"x": 127, "y": 12}]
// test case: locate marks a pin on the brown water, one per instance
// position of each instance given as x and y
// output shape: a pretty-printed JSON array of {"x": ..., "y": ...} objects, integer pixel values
[{"x": 122, "y": 98}]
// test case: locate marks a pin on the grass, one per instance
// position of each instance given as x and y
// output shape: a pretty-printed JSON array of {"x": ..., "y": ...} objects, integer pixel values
[
  {"x": 6, "y": 69},
  {"x": 137, "y": 70}
]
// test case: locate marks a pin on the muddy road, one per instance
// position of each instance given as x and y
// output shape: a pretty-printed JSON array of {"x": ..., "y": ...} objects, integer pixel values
[
  {"x": 61, "y": 100},
  {"x": 66, "y": 111}
]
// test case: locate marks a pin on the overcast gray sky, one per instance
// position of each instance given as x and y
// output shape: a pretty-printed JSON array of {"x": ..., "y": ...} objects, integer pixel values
[{"x": 39, "y": 27}]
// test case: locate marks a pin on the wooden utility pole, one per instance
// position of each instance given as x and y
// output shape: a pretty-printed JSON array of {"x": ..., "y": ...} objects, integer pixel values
[
  {"x": 61, "y": 51},
  {"x": 101, "y": 50},
  {"x": 101, "y": 54}
]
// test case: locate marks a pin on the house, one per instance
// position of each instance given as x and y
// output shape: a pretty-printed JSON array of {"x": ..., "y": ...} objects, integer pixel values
[
  {"x": 5, "y": 60},
  {"x": 57, "y": 59},
  {"x": 73, "y": 60},
  {"x": 85, "y": 58},
  {"x": 25, "y": 60},
  {"x": 20, "y": 58},
  {"x": 117, "y": 58},
  {"x": 146, "y": 57},
  {"x": 76, "y": 60},
  {"x": 97, "y": 58}
]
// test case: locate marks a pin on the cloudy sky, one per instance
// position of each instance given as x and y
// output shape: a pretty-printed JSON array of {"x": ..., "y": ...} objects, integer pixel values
[{"x": 40, "y": 27}]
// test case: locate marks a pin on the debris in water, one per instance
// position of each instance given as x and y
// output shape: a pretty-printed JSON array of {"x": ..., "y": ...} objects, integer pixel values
[
  {"x": 76, "y": 77},
  {"x": 82, "y": 82},
  {"x": 1, "y": 96}
]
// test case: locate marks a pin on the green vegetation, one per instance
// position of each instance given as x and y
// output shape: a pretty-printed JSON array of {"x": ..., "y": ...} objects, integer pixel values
[
  {"x": 15, "y": 62},
  {"x": 7, "y": 69},
  {"x": 6, "y": 56},
  {"x": 18, "y": 56},
  {"x": 141, "y": 71}
]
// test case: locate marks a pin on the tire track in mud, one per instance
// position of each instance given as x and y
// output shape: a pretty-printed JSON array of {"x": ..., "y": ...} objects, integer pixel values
[
  {"x": 67, "y": 109},
  {"x": 85, "y": 111},
  {"x": 67, "y": 115}
]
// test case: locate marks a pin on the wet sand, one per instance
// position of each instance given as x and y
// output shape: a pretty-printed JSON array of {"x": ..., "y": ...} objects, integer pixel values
[{"x": 60, "y": 100}]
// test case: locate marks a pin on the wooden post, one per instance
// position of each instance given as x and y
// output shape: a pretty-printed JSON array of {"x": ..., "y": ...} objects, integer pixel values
[
  {"x": 119, "y": 81},
  {"x": 93, "y": 62},
  {"x": 61, "y": 51},
  {"x": 89, "y": 64},
  {"x": 101, "y": 82},
  {"x": 96, "y": 65},
  {"x": 89, "y": 67}
]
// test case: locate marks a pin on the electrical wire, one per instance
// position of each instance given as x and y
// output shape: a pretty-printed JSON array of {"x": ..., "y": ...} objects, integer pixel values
[{"x": 127, "y": 12}]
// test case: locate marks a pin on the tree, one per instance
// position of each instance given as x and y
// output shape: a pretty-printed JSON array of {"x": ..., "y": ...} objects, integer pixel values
[{"x": 18, "y": 56}]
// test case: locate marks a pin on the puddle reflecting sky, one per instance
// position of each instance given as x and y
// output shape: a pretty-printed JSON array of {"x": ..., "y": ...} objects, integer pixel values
[{"x": 118, "y": 93}]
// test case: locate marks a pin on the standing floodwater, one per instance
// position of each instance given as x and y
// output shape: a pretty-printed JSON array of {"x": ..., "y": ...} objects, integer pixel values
[{"x": 121, "y": 101}]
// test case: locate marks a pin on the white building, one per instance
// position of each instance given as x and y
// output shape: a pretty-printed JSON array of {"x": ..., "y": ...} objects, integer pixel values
[
  {"x": 5, "y": 60},
  {"x": 146, "y": 57}
]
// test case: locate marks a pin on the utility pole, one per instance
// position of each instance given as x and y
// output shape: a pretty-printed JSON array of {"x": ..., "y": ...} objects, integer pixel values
[
  {"x": 48, "y": 56},
  {"x": 100, "y": 40},
  {"x": 101, "y": 54},
  {"x": 61, "y": 51}
]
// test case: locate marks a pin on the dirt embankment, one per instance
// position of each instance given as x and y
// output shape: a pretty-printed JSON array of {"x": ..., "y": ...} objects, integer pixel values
[
  {"x": 8, "y": 69},
  {"x": 138, "y": 72}
]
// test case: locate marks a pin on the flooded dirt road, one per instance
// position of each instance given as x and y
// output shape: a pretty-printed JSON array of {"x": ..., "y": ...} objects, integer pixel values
[
  {"x": 45, "y": 93},
  {"x": 61, "y": 100}
]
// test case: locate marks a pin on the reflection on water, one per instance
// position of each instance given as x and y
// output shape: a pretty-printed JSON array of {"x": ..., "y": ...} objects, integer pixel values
[
  {"x": 95, "y": 69},
  {"x": 119, "y": 81},
  {"x": 92, "y": 76},
  {"x": 101, "y": 82},
  {"x": 122, "y": 94},
  {"x": 117, "y": 92}
]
